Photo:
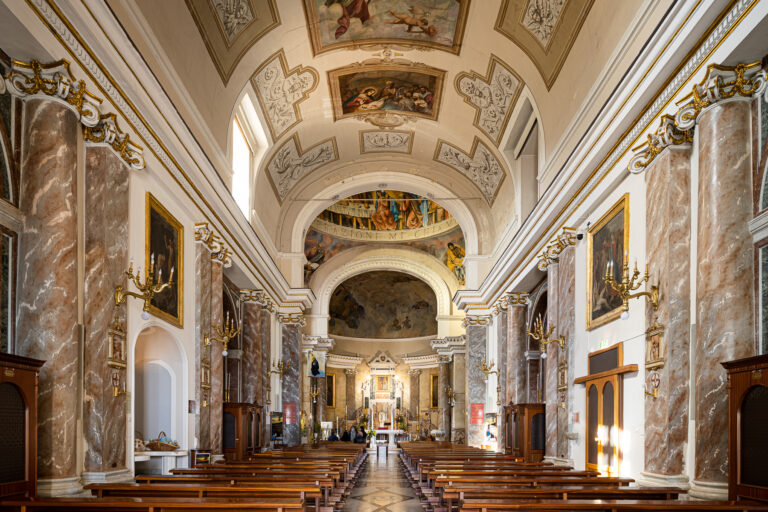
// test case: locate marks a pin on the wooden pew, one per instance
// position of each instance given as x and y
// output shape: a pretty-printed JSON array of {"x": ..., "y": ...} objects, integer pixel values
[
  {"x": 153, "y": 504},
  {"x": 489, "y": 505}
]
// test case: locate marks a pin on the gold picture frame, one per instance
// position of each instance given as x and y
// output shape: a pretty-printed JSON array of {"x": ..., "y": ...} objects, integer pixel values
[
  {"x": 330, "y": 390},
  {"x": 410, "y": 42},
  {"x": 164, "y": 236},
  {"x": 374, "y": 77},
  {"x": 434, "y": 391},
  {"x": 382, "y": 383},
  {"x": 604, "y": 303}
]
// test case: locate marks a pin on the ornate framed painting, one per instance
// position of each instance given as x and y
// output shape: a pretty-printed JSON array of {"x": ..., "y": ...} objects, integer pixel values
[
  {"x": 434, "y": 391},
  {"x": 164, "y": 240},
  {"x": 435, "y": 24},
  {"x": 386, "y": 88},
  {"x": 330, "y": 390},
  {"x": 607, "y": 241}
]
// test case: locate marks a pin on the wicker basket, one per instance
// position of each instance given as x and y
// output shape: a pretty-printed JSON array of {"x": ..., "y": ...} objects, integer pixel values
[{"x": 156, "y": 445}]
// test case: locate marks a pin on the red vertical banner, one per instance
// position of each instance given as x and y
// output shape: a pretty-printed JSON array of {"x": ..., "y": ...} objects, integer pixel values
[
  {"x": 477, "y": 414},
  {"x": 289, "y": 413}
]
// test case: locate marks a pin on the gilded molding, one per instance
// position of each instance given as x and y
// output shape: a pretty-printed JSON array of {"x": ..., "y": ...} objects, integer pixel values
[
  {"x": 517, "y": 298},
  {"x": 258, "y": 297},
  {"x": 57, "y": 81},
  {"x": 294, "y": 319},
  {"x": 219, "y": 251},
  {"x": 475, "y": 320},
  {"x": 552, "y": 252},
  {"x": 719, "y": 83},
  {"x": 107, "y": 131}
]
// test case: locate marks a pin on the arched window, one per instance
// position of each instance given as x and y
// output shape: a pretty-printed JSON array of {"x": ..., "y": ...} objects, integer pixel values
[{"x": 242, "y": 156}]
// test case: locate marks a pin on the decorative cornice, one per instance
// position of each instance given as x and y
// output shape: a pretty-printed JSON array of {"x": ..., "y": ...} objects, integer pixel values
[
  {"x": 219, "y": 251},
  {"x": 419, "y": 363},
  {"x": 450, "y": 345},
  {"x": 340, "y": 361},
  {"x": 551, "y": 252},
  {"x": 107, "y": 131},
  {"x": 719, "y": 83},
  {"x": 258, "y": 297},
  {"x": 317, "y": 343},
  {"x": 292, "y": 319},
  {"x": 57, "y": 81}
]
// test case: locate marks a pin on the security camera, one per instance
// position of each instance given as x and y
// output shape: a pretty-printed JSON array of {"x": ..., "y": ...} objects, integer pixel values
[{"x": 579, "y": 236}]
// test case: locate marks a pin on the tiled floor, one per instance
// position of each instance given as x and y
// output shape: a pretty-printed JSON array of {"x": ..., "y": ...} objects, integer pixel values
[{"x": 383, "y": 489}]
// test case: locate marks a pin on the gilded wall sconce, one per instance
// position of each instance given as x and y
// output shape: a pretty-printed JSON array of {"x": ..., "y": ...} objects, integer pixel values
[
  {"x": 149, "y": 288},
  {"x": 543, "y": 336},
  {"x": 116, "y": 344},
  {"x": 628, "y": 284},
  {"x": 224, "y": 334},
  {"x": 281, "y": 367},
  {"x": 117, "y": 389},
  {"x": 487, "y": 369}
]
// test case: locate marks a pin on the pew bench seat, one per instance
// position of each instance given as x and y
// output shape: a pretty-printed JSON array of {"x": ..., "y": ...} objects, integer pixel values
[
  {"x": 500, "y": 505},
  {"x": 153, "y": 504}
]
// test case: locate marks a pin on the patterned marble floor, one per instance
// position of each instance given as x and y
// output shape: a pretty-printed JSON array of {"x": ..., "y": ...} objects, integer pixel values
[{"x": 383, "y": 489}]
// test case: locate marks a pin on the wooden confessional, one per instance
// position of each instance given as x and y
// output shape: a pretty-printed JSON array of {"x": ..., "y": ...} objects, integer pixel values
[{"x": 241, "y": 430}]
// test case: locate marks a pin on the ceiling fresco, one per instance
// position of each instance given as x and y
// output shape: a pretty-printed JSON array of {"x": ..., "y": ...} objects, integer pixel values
[
  {"x": 384, "y": 305},
  {"x": 385, "y": 216},
  {"x": 335, "y": 24}
]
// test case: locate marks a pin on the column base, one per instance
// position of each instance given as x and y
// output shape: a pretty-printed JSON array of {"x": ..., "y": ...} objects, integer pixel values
[
  {"x": 106, "y": 477},
  {"x": 53, "y": 487},
  {"x": 559, "y": 461},
  {"x": 708, "y": 490},
  {"x": 648, "y": 479}
]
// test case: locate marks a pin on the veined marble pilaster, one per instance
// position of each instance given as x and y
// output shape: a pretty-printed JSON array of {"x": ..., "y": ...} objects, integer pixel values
[
  {"x": 253, "y": 345},
  {"x": 668, "y": 245},
  {"x": 724, "y": 278},
  {"x": 459, "y": 410},
  {"x": 350, "y": 375},
  {"x": 442, "y": 398},
  {"x": 566, "y": 329},
  {"x": 476, "y": 353},
  {"x": 516, "y": 345},
  {"x": 414, "y": 398},
  {"x": 106, "y": 259},
  {"x": 501, "y": 378},
  {"x": 48, "y": 274},
  {"x": 291, "y": 336},
  {"x": 217, "y": 360},
  {"x": 264, "y": 328},
  {"x": 551, "y": 360},
  {"x": 202, "y": 328}
]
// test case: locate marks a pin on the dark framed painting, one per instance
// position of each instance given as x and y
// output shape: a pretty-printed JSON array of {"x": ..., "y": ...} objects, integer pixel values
[
  {"x": 164, "y": 239},
  {"x": 434, "y": 392},
  {"x": 336, "y": 24},
  {"x": 404, "y": 89},
  {"x": 330, "y": 390},
  {"x": 607, "y": 242}
]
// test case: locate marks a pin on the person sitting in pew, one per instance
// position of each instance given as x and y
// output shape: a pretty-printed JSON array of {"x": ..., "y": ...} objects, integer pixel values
[
  {"x": 333, "y": 436},
  {"x": 345, "y": 436},
  {"x": 360, "y": 437}
]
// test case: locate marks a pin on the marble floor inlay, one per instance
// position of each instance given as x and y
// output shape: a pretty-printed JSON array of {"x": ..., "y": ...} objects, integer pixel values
[{"x": 384, "y": 488}]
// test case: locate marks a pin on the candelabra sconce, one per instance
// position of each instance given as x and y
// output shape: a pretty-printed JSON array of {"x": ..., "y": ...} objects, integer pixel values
[
  {"x": 498, "y": 396},
  {"x": 628, "y": 284},
  {"x": 225, "y": 334},
  {"x": 205, "y": 382},
  {"x": 314, "y": 393},
  {"x": 281, "y": 367},
  {"x": 451, "y": 394},
  {"x": 543, "y": 336},
  {"x": 116, "y": 387},
  {"x": 149, "y": 288},
  {"x": 487, "y": 369}
]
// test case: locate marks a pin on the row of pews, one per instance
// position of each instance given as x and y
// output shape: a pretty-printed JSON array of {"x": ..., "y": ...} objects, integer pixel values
[
  {"x": 301, "y": 480},
  {"x": 455, "y": 478}
]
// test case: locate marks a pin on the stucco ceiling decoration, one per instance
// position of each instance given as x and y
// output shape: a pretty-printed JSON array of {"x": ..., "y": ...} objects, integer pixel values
[
  {"x": 280, "y": 91},
  {"x": 493, "y": 96},
  {"x": 290, "y": 163},
  {"x": 422, "y": 24},
  {"x": 386, "y": 89},
  {"x": 544, "y": 29},
  {"x": 480, "y": 165},
  {"x": 230, "y": 27},
  {"x": 386, "y": 141}
]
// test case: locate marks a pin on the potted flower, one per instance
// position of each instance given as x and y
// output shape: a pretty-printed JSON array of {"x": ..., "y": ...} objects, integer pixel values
[{"x": 316, "y": 430}]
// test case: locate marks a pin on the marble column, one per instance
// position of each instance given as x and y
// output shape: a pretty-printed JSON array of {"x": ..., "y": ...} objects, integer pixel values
[
  {"x": 265, "y": 319},
  {"x": 291, "y": 338},
  {"x": 106, "y": 259},
  {"x": 565, "y": 328},
  {"x": 322, "y": 399},
  {"x": 442, "y": 398},
  {"x": 202, "y": 328},
  {"x": 550, "y": 360},
  {"x": 476, "y": 353},
  {"x": 501, "y": 378},
  {"x": 459, "y": 410},
  {"x": 217, "y": 360},
  {"x": 414, "y": 397},
  {"x": 350, "y": 374},
  {"x": 668, "y": 246},
  {"x": 533, "y": 365},
  {"x": 724, "y": 280},
  {"x": 48, "y": 283},
  {"x": 253, "y": 352},
  {"x": 516, "y": 364}
]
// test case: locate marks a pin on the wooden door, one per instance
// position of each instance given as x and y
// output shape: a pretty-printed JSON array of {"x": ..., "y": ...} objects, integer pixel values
[{"x": 604, "y": 424}]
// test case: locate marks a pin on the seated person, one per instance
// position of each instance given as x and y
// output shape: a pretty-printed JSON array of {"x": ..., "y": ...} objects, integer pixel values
[
  {"x": 333, "y": 436},
  {"x": 345, "y": 436},
  {"x": 360, "y": 438}
]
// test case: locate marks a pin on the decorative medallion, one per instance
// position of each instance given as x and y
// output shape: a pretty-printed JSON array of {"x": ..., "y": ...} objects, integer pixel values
[
  {"x": 386, "y": 141},
  {"x": 280, "y": 91},
  {"x": 233, "y": 16},
  {"x": 493, "y": 96},
  {"x": 290, "y": 163},
  {"x": 541, "y": 18},
  {"x": 481, "y": 166}
]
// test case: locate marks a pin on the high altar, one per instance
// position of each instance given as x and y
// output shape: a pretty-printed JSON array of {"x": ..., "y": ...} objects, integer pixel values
[{"x": 383, "y": 418}]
